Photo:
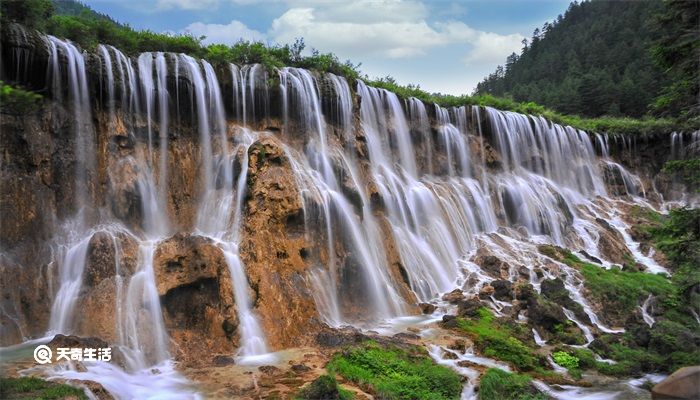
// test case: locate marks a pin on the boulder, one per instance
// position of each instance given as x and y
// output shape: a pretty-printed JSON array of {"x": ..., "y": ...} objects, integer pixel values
[
  {"x": 468, "y": 308},
  {"x": 194, "y": 284},
  {"x": 491, "y": 264},
  {"x": 545, "y": 313},
  {"x": 682, "y": 384},
  {"x": 453, "y": 297},
  {"x": 503, "y": 289},
  {"x": 427, "y": 308}
]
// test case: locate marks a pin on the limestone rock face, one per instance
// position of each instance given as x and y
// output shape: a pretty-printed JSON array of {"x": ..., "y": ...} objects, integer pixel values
[
  {"x": 273, "y": 248},
  {"x": 194, "y": 285},
  {"x": 111, "y": 260}
]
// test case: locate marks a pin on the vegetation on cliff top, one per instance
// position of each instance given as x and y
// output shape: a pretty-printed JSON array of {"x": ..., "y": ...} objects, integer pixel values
[
  {"x": 392, "y": 372},
  {"x": 74, "y": 21}
]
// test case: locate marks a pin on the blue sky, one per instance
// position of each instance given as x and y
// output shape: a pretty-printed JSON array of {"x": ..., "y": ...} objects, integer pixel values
[{"x": 444, "y": 46}]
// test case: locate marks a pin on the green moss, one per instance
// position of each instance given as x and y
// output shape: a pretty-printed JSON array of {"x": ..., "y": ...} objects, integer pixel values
[
  {"x": 324, "y": 387},
  {"x": 38, "y": 389},
  {"x": 17, "y": 101},
  {"x": 498, "y": 340},
  {"x": 498, "y": 384},
  {"x": 396, "y": 373}
]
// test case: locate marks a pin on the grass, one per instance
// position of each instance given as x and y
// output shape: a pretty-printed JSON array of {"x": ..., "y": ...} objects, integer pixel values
[
  {"x": 621, "y": 290},
  {"x": 324, "y": 387},
  {"x": 37, "y": 389},
  {"x": 497, "y": 340},
  {"x": 501, "y": 385},
  {"x": 390, "y": 372}
]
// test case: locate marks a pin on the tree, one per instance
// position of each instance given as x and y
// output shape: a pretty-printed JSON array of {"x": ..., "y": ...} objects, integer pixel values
[{"x": 30, "y": 13}]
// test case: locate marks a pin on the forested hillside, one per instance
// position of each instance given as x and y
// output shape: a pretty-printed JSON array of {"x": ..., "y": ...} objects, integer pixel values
[{"x": 607, "y": 58}]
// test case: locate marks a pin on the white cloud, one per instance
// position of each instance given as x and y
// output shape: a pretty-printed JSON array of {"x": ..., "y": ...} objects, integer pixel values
[
  {"x": 228, "y": 34},
  {"x": 390, "y": 28},
  {"x": 186, "y": 4},
  {"x": 405, "y": 39},
  {"x": 493, "y": 48}
]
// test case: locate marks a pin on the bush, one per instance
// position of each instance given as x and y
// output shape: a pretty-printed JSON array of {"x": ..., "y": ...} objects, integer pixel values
[
  {"x": 396, "y": 373},
  {"x": 565, "y": 359},
  {"x": 497, "y": 384},
  {"x": 39, "y": 389},
  {"x": 324, "y": 387}
]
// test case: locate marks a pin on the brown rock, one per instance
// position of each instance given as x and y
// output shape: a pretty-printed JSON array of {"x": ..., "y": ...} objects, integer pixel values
[
  {"x": 199, "y": 309},
  {"x": 453, "y": 297},
  {"x": 682, "y": 384},
  {"x": 427, "y": 308}
]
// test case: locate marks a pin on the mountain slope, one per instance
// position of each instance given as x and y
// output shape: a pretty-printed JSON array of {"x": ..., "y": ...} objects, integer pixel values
[{"x": 594, "y": 60}]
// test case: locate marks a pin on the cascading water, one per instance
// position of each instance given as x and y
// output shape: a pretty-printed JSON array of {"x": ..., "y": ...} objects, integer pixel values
[
  {"x": 394, "y": 179},
  {"x": 222, "y": 194},
  {"x": 315, "y": 175}
]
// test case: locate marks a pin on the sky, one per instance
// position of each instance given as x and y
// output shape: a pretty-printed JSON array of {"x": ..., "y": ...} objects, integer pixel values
[{"x": 444, "y": 46}]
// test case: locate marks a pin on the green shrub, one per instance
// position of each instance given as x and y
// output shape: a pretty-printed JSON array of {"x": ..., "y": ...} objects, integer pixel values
[
  {"x": 501, "y": 385},
  {"x": 38, "y": 389},
  {"x": 565, "y": 359},
  {"x": 396, "y": 373},
  {"x": 324, "y": 387}
]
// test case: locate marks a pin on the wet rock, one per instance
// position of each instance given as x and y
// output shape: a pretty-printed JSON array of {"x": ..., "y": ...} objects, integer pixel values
[
  {"x": 330, "y": 337},
  {"x": 491, "y": 264},
  {"x": 449, "y": 321},
  {"x": 554, "y": 290},
  {"x": 406, "y": 336},
  {"x": 222, "y": 361},
  {"x": 545, "y": 313},
  {"x": 97, "y": 390},
  {"x": 453, "y": 297},
  {"x": 275, "y": 250},
  {"x": 300, "y": 368},
  {"x": 269, "y": 369},
  {"x": 524, "y": 291},
  {"x": 468, "y": 308},
  {"x": 458, "y": 345},
  {"x": 427, "y": 308},
  {"x": 682, "y": 384},
  {"x": 486, "y": 291},
  {"x": 503, "y": 290}
]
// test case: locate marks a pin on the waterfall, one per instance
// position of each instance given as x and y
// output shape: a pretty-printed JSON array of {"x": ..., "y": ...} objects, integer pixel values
[
  {"x": 399, "y": 201},
  {"x": 84, "y": 146},
  {"x": 220, "y": 196},
  {"x": 315, "y": 175}
]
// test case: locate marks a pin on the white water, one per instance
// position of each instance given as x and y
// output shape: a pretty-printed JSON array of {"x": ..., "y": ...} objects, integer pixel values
[{"x": 648, "y": 319}]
